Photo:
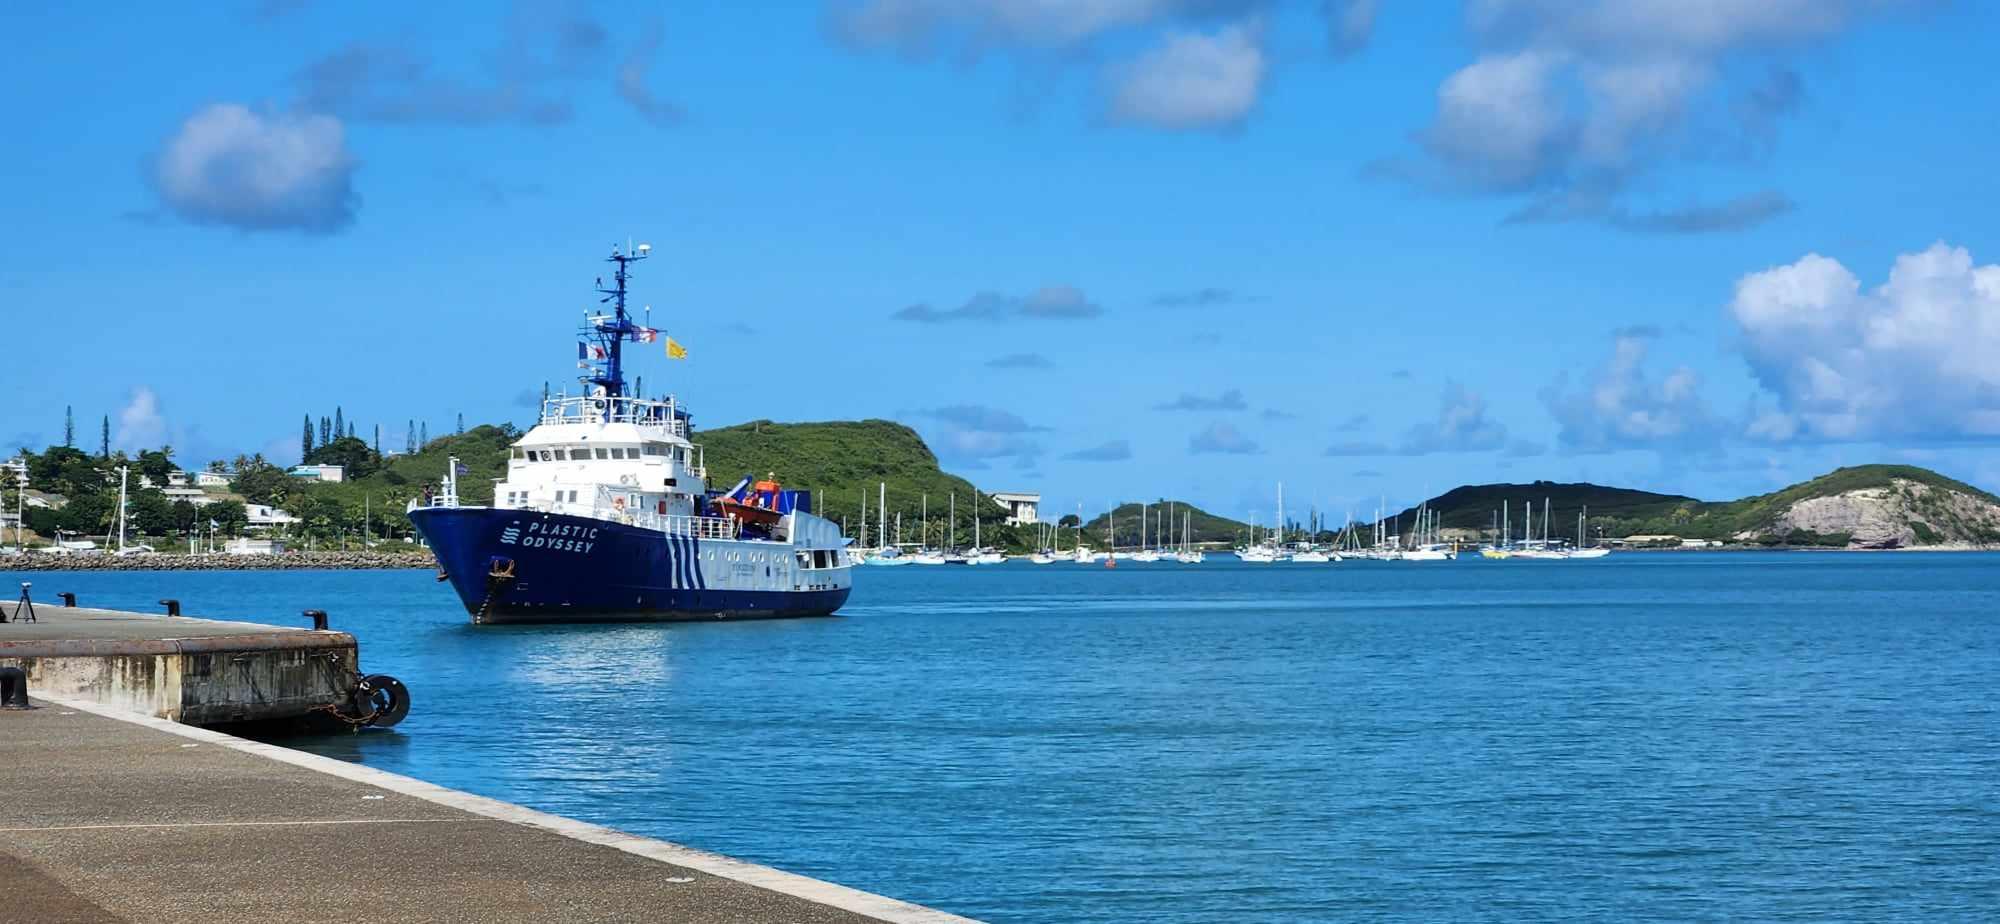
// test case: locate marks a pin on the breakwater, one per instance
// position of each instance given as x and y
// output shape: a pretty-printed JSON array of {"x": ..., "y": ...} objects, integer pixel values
[{"x": 288, "y": 561}]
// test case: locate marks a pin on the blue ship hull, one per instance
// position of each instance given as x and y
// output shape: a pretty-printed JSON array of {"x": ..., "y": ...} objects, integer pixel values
[{"x": 575, "y": 569}]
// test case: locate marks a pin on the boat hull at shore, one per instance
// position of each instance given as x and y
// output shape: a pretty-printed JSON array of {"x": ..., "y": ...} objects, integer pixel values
[{"x": 519, "y": 566}]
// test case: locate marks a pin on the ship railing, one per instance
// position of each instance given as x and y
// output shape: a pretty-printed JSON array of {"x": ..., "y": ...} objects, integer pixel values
[
  {"x": 646, "y": 412},
  {"x": 700, "y": 527},
  {"x": 605, "y": 508}
]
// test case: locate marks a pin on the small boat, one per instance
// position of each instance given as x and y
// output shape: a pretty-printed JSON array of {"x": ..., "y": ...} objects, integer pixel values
[
  {"x": 1313, "y": 557},
  {"x": 758, "y": 507},
  {"x": 886, "y": 557}
]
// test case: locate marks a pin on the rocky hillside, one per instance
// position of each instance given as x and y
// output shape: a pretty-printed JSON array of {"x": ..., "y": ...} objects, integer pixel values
[
  {"x": 1861, "y": 507},
  {"x": 1872, "y": 507}
]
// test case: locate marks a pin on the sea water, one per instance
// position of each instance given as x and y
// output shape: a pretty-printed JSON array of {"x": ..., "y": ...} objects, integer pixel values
[{"x": 1727, "y": 735}]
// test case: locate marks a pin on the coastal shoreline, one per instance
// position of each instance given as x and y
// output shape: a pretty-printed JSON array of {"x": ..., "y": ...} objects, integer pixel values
[
  {"x": 287, "y": 561},
  {"x": 411, "y": 561}
]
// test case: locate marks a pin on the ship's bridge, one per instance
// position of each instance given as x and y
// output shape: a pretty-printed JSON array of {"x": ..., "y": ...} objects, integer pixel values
[{"x": 621, "y": 458}]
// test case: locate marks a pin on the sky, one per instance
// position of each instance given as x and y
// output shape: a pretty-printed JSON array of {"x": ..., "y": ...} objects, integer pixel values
[{"x": 1101, "y": 249}]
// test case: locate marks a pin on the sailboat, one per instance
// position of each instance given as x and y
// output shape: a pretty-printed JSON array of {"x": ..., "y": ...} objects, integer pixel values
[
  {"x": 1426, "y": 547},
  {"x": 980, "y": 555},
  {"x": 124, "y": 519},
  {"x": 1146, "y": 552},
  {"x": 927, "y": 555},
  {"x": 1046, "y": 551},
  {"x": 1188, "y": 554},
  {"x": 885, "y": 555},
  {"x": 1538, "y": 549},
  {"x": 1502, "y": 546},
  {"x": 1581, "y": 550}
]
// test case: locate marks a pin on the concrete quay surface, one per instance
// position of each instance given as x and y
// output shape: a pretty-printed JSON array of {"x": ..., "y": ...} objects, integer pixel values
[
  {"x": 200, "y": 671},
  {"x": 107, "y": 816}
]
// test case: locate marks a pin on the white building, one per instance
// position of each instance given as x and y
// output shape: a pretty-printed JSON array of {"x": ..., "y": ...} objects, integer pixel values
[
  {"x": 19, "y": 466},
  {"x": 1022, "y": 509},
  {"x": 195, "y": 496},
  {"x": 320, "y": 472},
  {"x": 214, "y": 479},
  {"x": 265, "y": 516},
  {"x": 243, "y": 545}
]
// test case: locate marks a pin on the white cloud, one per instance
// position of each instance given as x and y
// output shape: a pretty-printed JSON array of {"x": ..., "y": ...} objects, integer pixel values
[
  {"x": 1192, "y": 80},
  {"x": 140, "y": 423},
  {"x": 1568, "y": 101},
  {"x": 1349, "y": 24},
  {"x": 914, "y": 24},
  {"x": 1230, "y": 400},
  {"x": 630, "y": 79},
  {"x": 1049, "y": 303},
  {"x": 1497, "y": 122},
  {"x": 972, "y": 434},
  {"x": 1203, "y": 67},
  {"x": 1461, "y": 426},
  {"x": 1912, "y": 358},
  {"x": 1220, "y": 437},
  {"x": 1621, "y": 406},
  {"x": 231, "y": 166}
]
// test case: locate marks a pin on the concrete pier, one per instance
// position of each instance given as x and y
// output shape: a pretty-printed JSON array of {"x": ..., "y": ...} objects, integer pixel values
[
  {"x": 108, "y": 817},
  {"x": 198, "y": 671}
]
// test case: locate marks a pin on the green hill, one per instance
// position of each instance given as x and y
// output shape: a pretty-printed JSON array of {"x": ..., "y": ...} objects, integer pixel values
[
  {"x": 840, "y": 461},
  {"x": 1474, "y": 507},
  {"x": 1207, "y": 527},
  {"x": 1873, "y": 506}
]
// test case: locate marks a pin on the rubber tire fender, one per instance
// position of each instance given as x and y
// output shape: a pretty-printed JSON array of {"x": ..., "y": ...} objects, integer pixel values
[{"x": 389, "y": 697}]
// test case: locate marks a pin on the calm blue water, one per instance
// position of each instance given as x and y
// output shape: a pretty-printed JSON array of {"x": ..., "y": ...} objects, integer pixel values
[{"x": 1763, "y": 736}]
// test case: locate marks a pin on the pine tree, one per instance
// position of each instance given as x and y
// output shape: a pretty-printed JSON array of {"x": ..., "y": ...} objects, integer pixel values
[
  {"x": 461, "y": 424},
  {"x": 378, "y": 441},
  {"x": 69, "y": 426},
  {"x": 350, "y": 429},
  {"x": 339, "y": 423},
  {"x": 104, "y": 438},
  {"x": 410, "y": 443},
  {"x": 325, "y": 430},
  {"x": 424, "y": 434},
  {"x": 306, "y": 439}
]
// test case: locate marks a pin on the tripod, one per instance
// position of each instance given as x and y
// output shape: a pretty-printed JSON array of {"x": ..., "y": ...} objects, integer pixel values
[{"x": 24, "y": 605}]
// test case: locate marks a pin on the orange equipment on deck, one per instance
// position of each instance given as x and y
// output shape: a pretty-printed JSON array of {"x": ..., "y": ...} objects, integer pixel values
[{"x": 759, "y": 506}]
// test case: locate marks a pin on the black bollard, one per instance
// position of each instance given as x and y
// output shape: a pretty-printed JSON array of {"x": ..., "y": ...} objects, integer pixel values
[
  {"x": 319, "y": 619},
  {"x": 13, "y": 688},
  {"x": 173, "y": 607},
  {"x": 68, "y": 599}
]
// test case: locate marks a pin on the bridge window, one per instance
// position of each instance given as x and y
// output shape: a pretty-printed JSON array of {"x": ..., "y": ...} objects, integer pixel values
[
  {"x": 603, "y": 453},
  {"x": 618, "y": 453}
]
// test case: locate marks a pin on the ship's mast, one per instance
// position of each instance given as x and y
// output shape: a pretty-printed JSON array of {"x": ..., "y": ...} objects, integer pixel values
[{"x": 609, "y": 332}]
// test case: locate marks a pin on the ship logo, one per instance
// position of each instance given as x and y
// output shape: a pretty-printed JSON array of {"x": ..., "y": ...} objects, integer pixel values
[{"x": 511, "y": 534}]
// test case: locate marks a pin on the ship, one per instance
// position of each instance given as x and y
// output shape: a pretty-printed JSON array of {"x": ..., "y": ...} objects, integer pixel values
[{"x": 605, "y": 514}]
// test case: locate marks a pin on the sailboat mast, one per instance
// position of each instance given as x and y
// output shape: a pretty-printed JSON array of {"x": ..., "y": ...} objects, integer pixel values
[{"x": 124, "y": 474}]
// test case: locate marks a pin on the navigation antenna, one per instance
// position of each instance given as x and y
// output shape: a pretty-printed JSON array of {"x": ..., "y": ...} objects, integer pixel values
[{"x": 609, "y": 332}]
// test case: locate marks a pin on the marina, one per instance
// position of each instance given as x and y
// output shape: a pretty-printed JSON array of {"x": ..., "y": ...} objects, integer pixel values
[{"x": 939, "y": 461}]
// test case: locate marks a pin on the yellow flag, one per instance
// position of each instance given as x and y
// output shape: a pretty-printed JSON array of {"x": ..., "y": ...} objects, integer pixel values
[{"x": 675, "y": 350}]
